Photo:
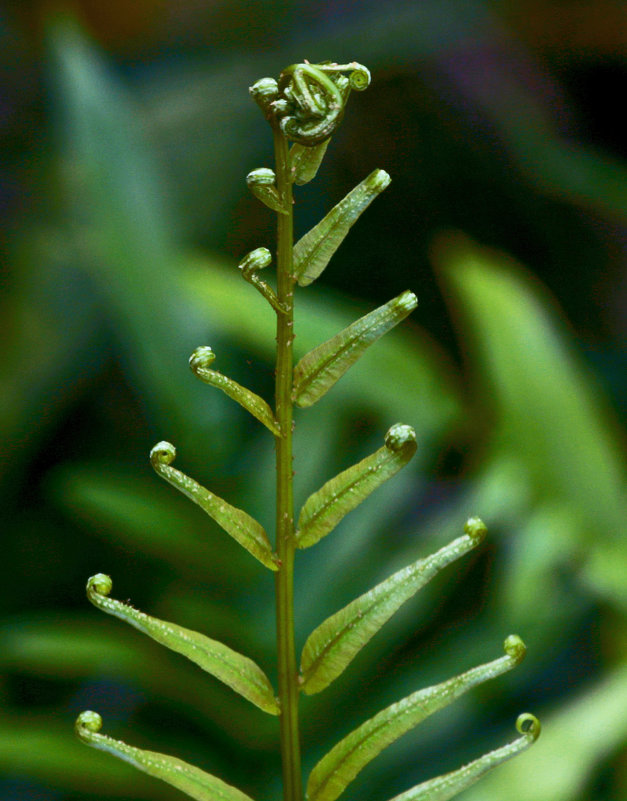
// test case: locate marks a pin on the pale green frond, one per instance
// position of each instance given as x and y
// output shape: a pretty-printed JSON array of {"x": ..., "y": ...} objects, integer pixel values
[
  {"x": 319, "y": 369},
  {"x": 237, "y": 671},
  {"x": 201, "y": 360},
  {"x": 239, "y": 524},
  {"x": 332, "y": 646},
  {"x": 185, "y": 777},
  {"x": 450, "y": 784},
  {"x": 324, "y": 509},
  {"x": 315, "y": 249},
  {"x": 338, "y": 768}
]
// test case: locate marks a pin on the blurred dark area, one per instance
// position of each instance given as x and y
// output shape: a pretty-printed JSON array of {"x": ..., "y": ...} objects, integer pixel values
[{"x": 126, "y": 133}]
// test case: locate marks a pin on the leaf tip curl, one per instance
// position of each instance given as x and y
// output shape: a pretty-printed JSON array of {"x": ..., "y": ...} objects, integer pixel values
[
  {"x": 262, "y": 184},
  {"x": 378, "y": 180},
  {"x": 529, "y": 724},
  {"x": 359, "y": 78},
  {"x": 476, "y": 529},
  {"x": 201, "y": 359},
  {"x": 264, "y": 92},
  {"x": 257, "y": 259},
  {"x": 87, "y": 723},
  {"x": 399, "y": 437},
  {"x": 101, "y": 584},
  {"x": 163, "y": 453},
  {"x": 515, "y": 648},
  {"x": 407, "y": 301},
  {"x": 261, "y": 176}
]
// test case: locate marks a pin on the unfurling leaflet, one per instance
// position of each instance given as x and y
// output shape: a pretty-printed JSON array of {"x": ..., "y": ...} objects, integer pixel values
[
  {"x": 323, "y": 366},
  {"x": 200, "y": 362},
  {"x": 240, "y": 525},
  {"x": 185, "y": 777},
  {"x": 251, "y": 264},
  {"x": 235, "y": 670},
  {"x": 450, "y": 784},
  {"x": 315, "y": 249},
  {"x": 262, "y": 183},
  {"x": 338, "y": 768},
  {"x": 331, "y": 647},
  {"x": 324, "y": 509}
]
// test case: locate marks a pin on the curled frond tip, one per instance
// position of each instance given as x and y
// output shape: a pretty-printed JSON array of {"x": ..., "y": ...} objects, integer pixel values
[
  {"x": 398, "y": 436},
  {"x": 308, "y": 100},
  {"x": 202, "y": 358},
  {"x": 515, "y": 647},
  {"x": 87, "y": 722},
  {"x": 162, "y": 453},
  {"x": 529, "y": 724},
  {"x": 476, "y": 529},
  {"x": 100, "y": 583}
]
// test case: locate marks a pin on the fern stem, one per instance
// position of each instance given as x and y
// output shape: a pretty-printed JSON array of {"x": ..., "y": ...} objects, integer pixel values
[{"x": 285, "y": 543}]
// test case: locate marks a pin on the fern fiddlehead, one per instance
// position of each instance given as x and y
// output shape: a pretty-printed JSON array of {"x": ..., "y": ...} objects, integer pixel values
[{"x": 305, "y": 106}]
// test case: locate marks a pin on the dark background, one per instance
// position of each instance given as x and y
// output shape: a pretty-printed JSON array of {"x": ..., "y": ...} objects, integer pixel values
[{"x": 126, "y": 132}]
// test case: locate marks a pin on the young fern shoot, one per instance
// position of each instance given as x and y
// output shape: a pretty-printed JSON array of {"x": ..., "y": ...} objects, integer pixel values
[{"x": 304, "y": 107}]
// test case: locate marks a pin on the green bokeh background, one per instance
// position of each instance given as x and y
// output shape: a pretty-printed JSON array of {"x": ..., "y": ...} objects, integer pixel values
[{"x": 126, "y": 134}]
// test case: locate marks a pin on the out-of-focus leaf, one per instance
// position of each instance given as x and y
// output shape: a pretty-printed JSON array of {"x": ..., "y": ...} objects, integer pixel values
[
  {"x": 70, "y": 647},
  {"x": 451, "y": 784},
  {"x": 324, "y": 509},
  {"x": 185, "y": 777},
  {"x": 239, "y": 524},
  {"x": 137, "y": 514},
  {"x": 53, "y": 326},
  {"x": 315, "y": 249},
  {"x": 319, "y": 369},
  {"x": 117, "y": 203},
  {"x": 588, "y": 728},
  {"x": 47, "y": 751},
  {"x": 545, "y": 410},
  {"x": 338, "y": 768},
  {"x": 421, "y": 378},
  {"x": 235, "y": 670},
  {"x": 333, "y": 645}
]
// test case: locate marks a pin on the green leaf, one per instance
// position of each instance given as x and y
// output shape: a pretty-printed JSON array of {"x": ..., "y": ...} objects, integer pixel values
[
  {"x": 338, "y": 768},
  {"x": 450, "y": 784},
  {"x": 547, "y": 412},
  {"x": 38, "y": 746},
  {"x": 200, "y": 361},
  {"x": 590, "y": 726},
  {"x": 120, "y": 209},
  {"x": 315, "y": 249},
  {"x": 324, "y": 509},
  {"x": 319, "y": 369},
  {"x": 185, "y": 777},
  {"x": 250, "y": 266},
  {"x": 122, "y": 508},
  {"x": 241, "y": 526},
  {"x": 41, "y": 647},
  {"x": 235, "y": 670},
  {"x": 305, "y": 161},
  {"x": 406, "y": 359},
  {"x": 334, "y": 644}
]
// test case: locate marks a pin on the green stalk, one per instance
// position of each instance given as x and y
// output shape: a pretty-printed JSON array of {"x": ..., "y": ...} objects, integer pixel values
[{"x": 285, "y": 543}]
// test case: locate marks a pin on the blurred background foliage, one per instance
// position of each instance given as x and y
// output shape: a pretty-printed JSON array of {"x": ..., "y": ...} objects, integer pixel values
[{"x": 126, "y": 132}]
